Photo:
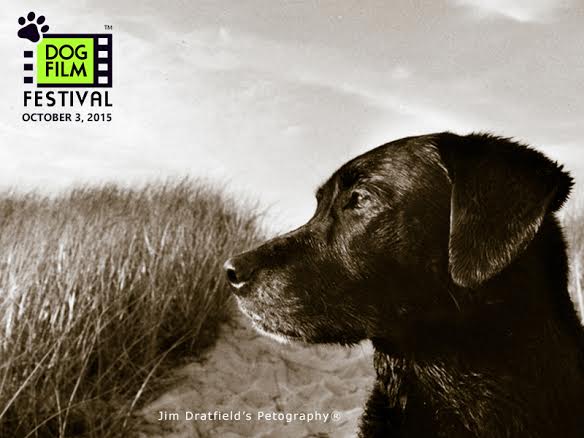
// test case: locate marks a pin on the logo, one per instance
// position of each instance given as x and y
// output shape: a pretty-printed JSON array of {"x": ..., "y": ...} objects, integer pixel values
[
  {"x": 67, "y": 62},
  {"x": 30, "y": 28}
]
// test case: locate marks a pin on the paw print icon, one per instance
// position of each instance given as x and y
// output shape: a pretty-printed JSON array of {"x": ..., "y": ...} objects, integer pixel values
[{"x": 32, "y": 30}]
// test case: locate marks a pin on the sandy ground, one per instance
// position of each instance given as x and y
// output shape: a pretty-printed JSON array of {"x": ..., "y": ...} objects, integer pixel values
[{"x": 254, "y": 376}]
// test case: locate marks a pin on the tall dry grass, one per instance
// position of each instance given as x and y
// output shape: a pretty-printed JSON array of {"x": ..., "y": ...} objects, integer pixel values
[
  {"x": 98, "y": 287},
  {"x": 573, "y": 221}
]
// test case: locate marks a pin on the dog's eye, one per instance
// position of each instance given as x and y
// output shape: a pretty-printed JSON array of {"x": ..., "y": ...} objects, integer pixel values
[{"x": 356, "y": 200}]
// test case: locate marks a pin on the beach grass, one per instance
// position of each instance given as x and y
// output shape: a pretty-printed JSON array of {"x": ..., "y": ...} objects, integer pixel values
[{"x": 100, "y": 289}]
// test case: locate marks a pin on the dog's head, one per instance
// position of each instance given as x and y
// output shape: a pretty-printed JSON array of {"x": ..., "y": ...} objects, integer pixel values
[{"x": 395, "y": 230}]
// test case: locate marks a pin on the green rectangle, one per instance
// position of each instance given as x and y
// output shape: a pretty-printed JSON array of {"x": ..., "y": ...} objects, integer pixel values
[{"x": 65, "y": 61}]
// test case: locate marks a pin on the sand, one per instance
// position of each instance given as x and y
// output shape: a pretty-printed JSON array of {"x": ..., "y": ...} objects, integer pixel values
[{"x": 252, "y": 386}]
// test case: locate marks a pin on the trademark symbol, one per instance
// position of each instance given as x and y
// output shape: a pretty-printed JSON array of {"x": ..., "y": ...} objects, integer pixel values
[{"x": 108, "y": 27}]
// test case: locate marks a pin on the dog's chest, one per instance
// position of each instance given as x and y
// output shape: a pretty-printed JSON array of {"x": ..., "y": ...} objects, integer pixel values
[{"x": 436, "y": 401}]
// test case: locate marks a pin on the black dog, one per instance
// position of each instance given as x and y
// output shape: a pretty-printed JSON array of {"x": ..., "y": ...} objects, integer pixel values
[{"x": 443, "y": 251}]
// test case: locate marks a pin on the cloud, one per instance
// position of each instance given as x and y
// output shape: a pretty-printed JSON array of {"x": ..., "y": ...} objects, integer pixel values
[
  {"x": 273, "y": 114},
  {"x": 519, "y": 10}
]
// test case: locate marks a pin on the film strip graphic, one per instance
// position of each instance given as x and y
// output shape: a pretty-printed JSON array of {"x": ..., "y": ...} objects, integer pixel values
[
  {"x": 28, "y": 66},
  {"x": 96, "y": 62}
]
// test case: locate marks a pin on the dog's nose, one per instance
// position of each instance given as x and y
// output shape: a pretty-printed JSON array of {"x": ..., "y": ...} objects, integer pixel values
[{"x": 238, "y": 273}]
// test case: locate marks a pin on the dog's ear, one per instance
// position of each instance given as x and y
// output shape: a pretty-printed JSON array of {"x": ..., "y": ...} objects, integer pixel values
[{"x": 501, "y": 191}]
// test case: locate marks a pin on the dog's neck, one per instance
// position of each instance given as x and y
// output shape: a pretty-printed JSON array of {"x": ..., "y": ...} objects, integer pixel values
[
  {"x": 482, "y": 355},
  {"x": 465, "y": 396},
  {"x": 513, "y": 310},
  {"x": 440, "y": 394}
]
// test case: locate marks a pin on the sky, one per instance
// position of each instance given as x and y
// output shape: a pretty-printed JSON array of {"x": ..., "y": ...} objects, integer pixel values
[{"x": 267, "y": 97}]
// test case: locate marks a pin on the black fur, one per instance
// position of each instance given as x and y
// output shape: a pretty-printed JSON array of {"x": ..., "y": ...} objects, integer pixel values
[{"x": 443, "y": 251}]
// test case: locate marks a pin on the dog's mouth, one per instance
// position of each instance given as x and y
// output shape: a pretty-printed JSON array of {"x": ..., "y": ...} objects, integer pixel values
[{"x": 263, "y": 326}]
